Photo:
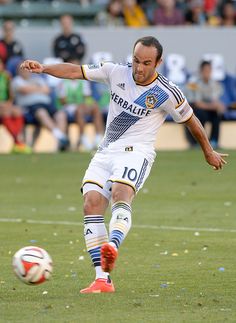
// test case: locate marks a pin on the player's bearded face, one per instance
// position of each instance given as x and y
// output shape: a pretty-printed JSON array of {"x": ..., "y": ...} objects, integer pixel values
[{"x": 144, "y": 63}]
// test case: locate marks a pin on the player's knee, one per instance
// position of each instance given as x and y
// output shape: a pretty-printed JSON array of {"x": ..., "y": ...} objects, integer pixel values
[
  {"x": 117, "y": 195},
  {"x": 92, "y": 204},
  {"x": 121, "y": 192}
]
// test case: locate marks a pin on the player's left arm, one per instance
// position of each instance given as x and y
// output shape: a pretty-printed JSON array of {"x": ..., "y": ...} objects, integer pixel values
[{"x": 213, "y": 158}]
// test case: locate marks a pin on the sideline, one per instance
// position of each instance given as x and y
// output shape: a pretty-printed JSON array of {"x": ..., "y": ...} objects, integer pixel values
[{"x": 136, "y": 226}]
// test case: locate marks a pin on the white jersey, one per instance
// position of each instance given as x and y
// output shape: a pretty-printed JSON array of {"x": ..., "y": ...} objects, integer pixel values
[{"x": 136, "y": 112}]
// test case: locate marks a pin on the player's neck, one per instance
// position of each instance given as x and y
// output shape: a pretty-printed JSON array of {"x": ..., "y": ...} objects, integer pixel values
[{"x": 149, "y": 81}]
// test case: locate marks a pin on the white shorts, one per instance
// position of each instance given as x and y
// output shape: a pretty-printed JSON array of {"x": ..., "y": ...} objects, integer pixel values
[{"x": 128, "y": 167}]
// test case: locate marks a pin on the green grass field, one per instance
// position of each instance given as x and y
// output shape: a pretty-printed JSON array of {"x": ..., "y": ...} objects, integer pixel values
[{"x": 176, "y": 265}]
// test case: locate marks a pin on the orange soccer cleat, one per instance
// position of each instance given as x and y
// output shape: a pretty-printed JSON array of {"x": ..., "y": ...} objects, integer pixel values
[
  {"x": 108, "y": 257},
  {"x": 100, "y": 285}
]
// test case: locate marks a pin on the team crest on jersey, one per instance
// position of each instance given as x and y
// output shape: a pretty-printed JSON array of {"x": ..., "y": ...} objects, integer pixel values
[
  {"x": 150, "y": 101},
  {"x": 152, "y": 98}
]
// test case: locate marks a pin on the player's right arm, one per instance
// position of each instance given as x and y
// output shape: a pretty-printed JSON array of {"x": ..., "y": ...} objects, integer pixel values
[
  {"x": 62, "y": 70},
  {"x": 183, "y": 113},
  {"x": 215, "y": 159}
]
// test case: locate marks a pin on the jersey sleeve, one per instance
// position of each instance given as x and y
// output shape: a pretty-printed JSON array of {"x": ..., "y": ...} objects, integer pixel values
[
  {"x": 99, "y": 73},
  {"x": 177, "y": 105}
]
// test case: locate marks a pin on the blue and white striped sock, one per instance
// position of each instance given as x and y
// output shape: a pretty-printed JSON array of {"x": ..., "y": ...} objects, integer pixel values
[
  {"x": 120, "y": 223},
  {"x": 95, "y": 235}
]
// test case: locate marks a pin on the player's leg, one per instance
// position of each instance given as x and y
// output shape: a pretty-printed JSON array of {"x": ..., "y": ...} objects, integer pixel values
[
  {"x": 96, "y": 200},
  {"x": 95, "y": 235},
  {"x": 130, "y": 173},
  {"x": 120, "y": 223},
  {"x": 95, "y": 232}
]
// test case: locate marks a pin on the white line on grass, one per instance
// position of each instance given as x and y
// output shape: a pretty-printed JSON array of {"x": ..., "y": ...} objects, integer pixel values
[{"x": 138, "y": 226}]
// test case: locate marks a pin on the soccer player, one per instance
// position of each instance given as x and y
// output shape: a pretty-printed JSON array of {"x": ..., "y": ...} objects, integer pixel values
[{"x": 140, "y": 101}]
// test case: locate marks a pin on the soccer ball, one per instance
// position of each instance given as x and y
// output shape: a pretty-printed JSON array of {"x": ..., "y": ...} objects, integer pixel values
[{"x": 32, "y": 265}]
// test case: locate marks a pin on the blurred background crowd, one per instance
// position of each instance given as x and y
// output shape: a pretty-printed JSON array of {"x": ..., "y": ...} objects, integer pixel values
[
  {"x": 54, "y": 104},
  {"x": 132, "y": 13}
]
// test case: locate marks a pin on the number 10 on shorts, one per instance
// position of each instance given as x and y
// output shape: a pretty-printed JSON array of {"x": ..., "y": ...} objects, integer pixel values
[{"x": 131, "y": 174}]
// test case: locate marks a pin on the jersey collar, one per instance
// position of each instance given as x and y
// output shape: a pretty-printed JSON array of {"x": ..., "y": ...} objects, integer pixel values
[{"x": 153, "y": 79}]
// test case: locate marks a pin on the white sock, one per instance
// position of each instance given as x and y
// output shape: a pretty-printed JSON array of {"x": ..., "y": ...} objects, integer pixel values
[
  {"x": 95, "y": 235},
  {"x": 113, "y": 245},
  {"x": 58, "y": 133},
  {"x": 100, "y": 273},
  {"x": 86, "y": 142}
]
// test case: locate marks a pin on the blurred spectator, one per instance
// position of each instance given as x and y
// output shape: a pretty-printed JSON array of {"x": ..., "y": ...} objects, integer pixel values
[
  {"x": 10, "y": 115},
  {"x": 5, "y": 1},
  {"x": 211, "y": 10},
  {"x": 9, "y": 47},
  {"x": 32, "y": 94},
  {"x": 229, "y": 96},
  {"x": 134, "y": 15},
  {"x": 182, "y": 4},
  {"x": 228, "y": 14},
  {"x": 83, "y": 3},
  {"x": 204, "y": 95},
  {"x": 101, "y": 2},
  {"x": 100, "y": 91},
  {"x": 167, "y": 14},
  {"x": 112, "y": 16},
  {"x": 228, "y": 82},
  {"x": 210, "y": 6},
  {"x": 148, "y": 7},
  {"x": 75, "y": 98},
  {"x": 101, "y": 94},
  {"x": 12, "y": 65},
  {"x": 195, "y": 14},
  {"x": 68, "y": 43}
]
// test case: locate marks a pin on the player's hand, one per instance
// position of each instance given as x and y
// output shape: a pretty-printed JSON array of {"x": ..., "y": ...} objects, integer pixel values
[
  {"x": 32, "y": 66},
  {"x": 215, "y": 159}
]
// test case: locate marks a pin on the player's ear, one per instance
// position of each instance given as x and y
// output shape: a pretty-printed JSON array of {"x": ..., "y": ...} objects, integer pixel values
[{"x": 158, "y": 63}]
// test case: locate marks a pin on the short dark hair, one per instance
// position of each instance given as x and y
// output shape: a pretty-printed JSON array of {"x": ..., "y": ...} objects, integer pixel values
[
  {"x": 204, "y": 63},
  {"x": 151, "y": 41}
]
